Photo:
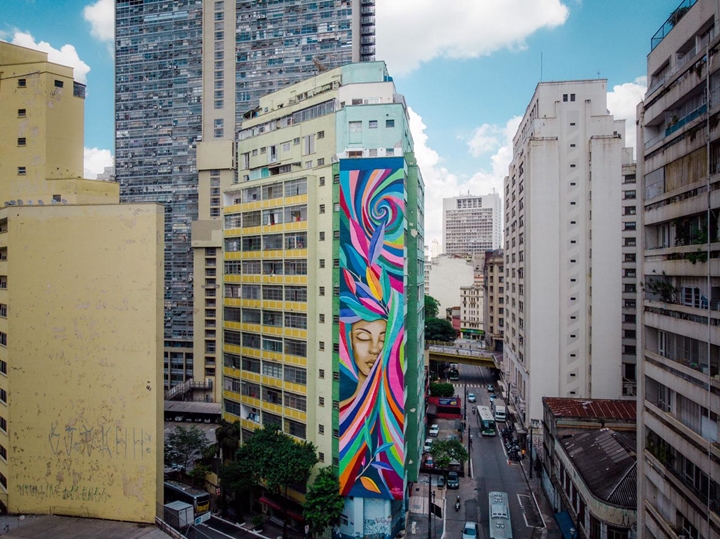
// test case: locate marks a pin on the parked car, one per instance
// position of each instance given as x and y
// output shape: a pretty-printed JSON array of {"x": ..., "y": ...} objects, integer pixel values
[
  {"x": 434, "y": 430},
  {"x": 441, "y": 481},
  {"x": 428, "y": 445},
  {"x": 491, "y": 388},
  {"x": 429, "y": 462},
  {"x": 470, "y": 530},
  {"x": 471, "y": 397},
  {"x": 453, "y": 480},
  {"x": 492, "y": 397}
]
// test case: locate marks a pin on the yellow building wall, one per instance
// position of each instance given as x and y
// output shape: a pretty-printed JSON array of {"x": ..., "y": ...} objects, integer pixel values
[{"x": 84, "y": 356}]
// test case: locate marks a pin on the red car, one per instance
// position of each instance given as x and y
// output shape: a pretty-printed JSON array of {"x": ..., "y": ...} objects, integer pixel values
[{"x": 429, "y": 462}]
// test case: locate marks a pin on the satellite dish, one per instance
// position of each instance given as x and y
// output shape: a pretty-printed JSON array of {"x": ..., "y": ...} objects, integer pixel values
[
  {"x": 20, "y": 202},
  {"x": 29, "y": 202},
  {"x": 41, "y": 203},
  {"x": 11, "y": 202},
  {"x": 64, "y": 201},
  {"x": 7, "y": 202},
  {"x": 54, "y": 201}
]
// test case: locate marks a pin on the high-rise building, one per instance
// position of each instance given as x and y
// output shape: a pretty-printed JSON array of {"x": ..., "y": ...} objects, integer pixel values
[
  {"x": 563, "y": 283},
  {"x": 80, "y": 313},
  {"x": 472, "y": 224},
  {"x": 323, "y": 292},
  {"x": 186, "y": 72},
  {"x": 494, "y": 299},
  {"x": 679, "y": 301}
]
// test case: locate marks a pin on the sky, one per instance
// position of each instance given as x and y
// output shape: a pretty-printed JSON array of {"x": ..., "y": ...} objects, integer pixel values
[{"x": 467, "y": 68}]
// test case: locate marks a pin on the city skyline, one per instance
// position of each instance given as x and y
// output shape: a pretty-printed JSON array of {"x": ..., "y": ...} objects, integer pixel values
[{"x": 462, "y": 146}]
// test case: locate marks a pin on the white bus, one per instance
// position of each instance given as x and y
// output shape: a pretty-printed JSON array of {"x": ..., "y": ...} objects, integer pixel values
[
  {"x": 499, "y": 516},
  {"x": 486, "y": 421}
]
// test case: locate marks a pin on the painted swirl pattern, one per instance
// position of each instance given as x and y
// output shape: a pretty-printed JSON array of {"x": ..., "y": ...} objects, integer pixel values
[{"x": 372, "y": 327}]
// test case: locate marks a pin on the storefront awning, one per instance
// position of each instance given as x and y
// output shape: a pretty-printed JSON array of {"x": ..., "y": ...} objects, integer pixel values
[
  {"x": 566, "y": 525},
  {"x": 272, "y": 503}
]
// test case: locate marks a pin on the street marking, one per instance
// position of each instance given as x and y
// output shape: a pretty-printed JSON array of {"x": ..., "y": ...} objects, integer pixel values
[{"x": 529, "y": 507}]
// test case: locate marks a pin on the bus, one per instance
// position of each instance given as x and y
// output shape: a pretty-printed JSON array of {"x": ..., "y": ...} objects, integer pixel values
[
  {"x": 499, "y": 516},
  {"x": 486, "y": 421},
  {"x": 199, "y": 499}
]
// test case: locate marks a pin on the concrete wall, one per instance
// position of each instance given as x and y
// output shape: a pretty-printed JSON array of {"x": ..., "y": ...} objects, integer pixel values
[
  {"x": 84, "y": 360},
  {"x": 447, "y": 275}
]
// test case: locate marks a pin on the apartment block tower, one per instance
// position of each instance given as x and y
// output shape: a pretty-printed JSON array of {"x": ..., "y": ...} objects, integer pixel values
[
  {"x": 472, "y": 224},
  {"x": 563, "y": 281},
  {"x": 494, "y": 300},
  {"x": 679, "y": 301},
  {"x": 323, "y": 290},
  {"x": 80, "y": 313},
  {"x": 186, "y": 72}
]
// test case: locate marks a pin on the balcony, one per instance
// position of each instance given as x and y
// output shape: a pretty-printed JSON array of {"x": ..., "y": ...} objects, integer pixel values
[{"x": 670, "y": 23}]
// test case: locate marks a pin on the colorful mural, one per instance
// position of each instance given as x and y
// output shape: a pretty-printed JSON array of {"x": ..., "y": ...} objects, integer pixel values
[{"x": 372, "y": 327}]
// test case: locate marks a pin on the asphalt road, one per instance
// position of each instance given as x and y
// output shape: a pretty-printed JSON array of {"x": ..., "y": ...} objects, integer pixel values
[{"x": 491, "y": 472}]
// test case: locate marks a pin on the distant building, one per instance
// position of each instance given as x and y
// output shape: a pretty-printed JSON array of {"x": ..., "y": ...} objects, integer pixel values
[
  {"x": 472, "y": 224},
  {"x": 445, "y": 275},
  {"x": 679, "y": 282},
  {"x": 80, "y": 314},
  {"x": 589, "y": 467},
  {"x": 494, "y": 300},
  {"x": 563, "y": 237}
]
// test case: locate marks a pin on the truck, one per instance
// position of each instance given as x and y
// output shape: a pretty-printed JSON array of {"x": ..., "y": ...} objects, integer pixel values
[{"x": 499, "y": 410}]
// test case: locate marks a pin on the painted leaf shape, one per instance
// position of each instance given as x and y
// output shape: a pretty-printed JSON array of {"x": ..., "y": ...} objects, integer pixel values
[
  {"x": 383, "y": 447},
  {"x": 381, "y": 465},
  {"x": 370, "y": 485}
]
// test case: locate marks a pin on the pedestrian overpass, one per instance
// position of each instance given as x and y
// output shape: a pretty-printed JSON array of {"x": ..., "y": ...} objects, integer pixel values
[{"x": 451, "y": 353}]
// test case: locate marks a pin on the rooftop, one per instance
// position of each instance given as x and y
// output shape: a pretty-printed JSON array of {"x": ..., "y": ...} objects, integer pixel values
[
  {"x": 597, "y": 408},
  {"x": 56, "y": 527},
  {"x": 607, "y": 464}
]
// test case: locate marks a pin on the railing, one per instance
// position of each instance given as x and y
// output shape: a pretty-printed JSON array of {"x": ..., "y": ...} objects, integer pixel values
[
  {"x": 670, "y": 129},
  {"x": 670, "y": 23},
  {"x": 186, "y": 386}
]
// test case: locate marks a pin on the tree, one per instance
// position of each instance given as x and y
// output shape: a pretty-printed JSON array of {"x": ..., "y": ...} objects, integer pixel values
[
  {"x": 237, "y": 478},
  {"x": 323, "y": 502},
  {"x": 446, "y": 451},
  {"x": 439, "y": 330},
  {"x": 228, "y": 439},
  {"x": 432, "y": 307},
  {"x": 185, "y": 445},
  {"x": 278, "y": 461},
  {"x": 442, "y": 390}
]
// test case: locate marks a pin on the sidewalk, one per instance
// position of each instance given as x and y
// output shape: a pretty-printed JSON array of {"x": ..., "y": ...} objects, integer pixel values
[
  {"x": 417, "y": 522},
  {"x": 551, "y": 530}
]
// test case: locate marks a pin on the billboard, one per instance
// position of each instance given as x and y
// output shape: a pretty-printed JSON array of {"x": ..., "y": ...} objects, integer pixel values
[{"x": 372, "y": 327}]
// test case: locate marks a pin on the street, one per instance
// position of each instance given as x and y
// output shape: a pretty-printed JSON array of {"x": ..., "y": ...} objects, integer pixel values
[{"x": 491, "y": 471}]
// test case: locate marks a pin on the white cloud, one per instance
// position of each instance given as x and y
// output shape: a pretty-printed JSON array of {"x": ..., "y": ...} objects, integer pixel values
[
  {"x": 101, "y": 16},
  {"x": 440, "y": 182},
  {"x": 483, "y": 140},
  {"x": 66, "y": 55},
  {"x": 95, "y": 161},
  {"x": 411, "y": 32},
  {"x": 622, "y": 103}
]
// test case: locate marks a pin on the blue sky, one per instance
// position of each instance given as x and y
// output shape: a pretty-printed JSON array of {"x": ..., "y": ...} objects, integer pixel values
[{"x": 467, "y": 68}]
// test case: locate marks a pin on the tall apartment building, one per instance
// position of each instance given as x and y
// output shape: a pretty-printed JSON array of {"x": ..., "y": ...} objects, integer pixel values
[
  {"x": 80, "y": 313},
  {"x": 472, "y": 224},
  {"x": 563, "y": 282},
  {"x": 185, "y": 74},
  {"x": 494, "y": 299},
  {"x": 323, "y": 284},
  {"x": 629, "y": 274},
  {"x": 679, "y": 371}
]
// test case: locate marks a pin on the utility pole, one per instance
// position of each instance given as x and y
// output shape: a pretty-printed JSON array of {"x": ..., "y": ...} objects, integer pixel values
[
  {"x": 531, "y": 449},
  {"x": 430, "y": 506}
]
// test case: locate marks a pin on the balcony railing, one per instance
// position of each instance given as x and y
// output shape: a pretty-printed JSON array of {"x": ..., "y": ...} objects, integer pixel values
[{"x": 670, "y": 23}]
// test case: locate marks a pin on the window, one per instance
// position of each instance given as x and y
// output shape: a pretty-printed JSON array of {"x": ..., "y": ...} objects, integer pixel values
[
  {"x": 389, "y": 123},
  {"x": 321, "y": 318},
  {"x": 322, "y": 262},
  {"x": 321, "y": 345},
  {"x": 321, "y": 373},
  {"x": 21, "y": 171},
  {"x": 59, "y": 83},
  {"x": 355, "y": 127},
  {"x": 295, "y": 375},
  {"x": 628, "y": 195},
  {"x": 321, "y": 181},
  {"x": 322, "y": 210},
  {"x": 21, "y": 141},
  {"x": 22, "y": 113},
  {"x": 321, "y": 428},
  {"x": 322, "y": 291},
  {"x": 22, "y": 83},
  {"x": 372, "y": 124},
  {"x": 321, "y": 134}
]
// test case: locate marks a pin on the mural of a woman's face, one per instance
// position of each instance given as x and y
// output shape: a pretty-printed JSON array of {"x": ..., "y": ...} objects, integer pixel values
[{"x": 367, "y": 339}]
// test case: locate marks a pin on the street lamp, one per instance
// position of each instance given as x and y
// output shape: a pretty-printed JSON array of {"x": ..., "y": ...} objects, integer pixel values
[{"x": 533, "y": 425}]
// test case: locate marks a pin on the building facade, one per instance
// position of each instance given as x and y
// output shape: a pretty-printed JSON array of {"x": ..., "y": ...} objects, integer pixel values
[
  {"x": 679, "y": 370},
  {"x": 494, "y": 300},
  {"x": 445, "y": 275},
  {"x": 80, "y": 314},
  {"x": 186, "y": 73},
  {"x": 562, "y": 249},
  {"x": 323, "y": 284},
  {"x": 472, "y": 224}
]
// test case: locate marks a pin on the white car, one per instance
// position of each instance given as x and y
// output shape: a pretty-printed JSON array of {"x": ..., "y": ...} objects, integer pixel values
[
  {"x": 434, "y": 430},
  {"x": 470, "y": 531},
  {"x": 428, "y": 445},
  {"x": 471, "y": 397}
]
